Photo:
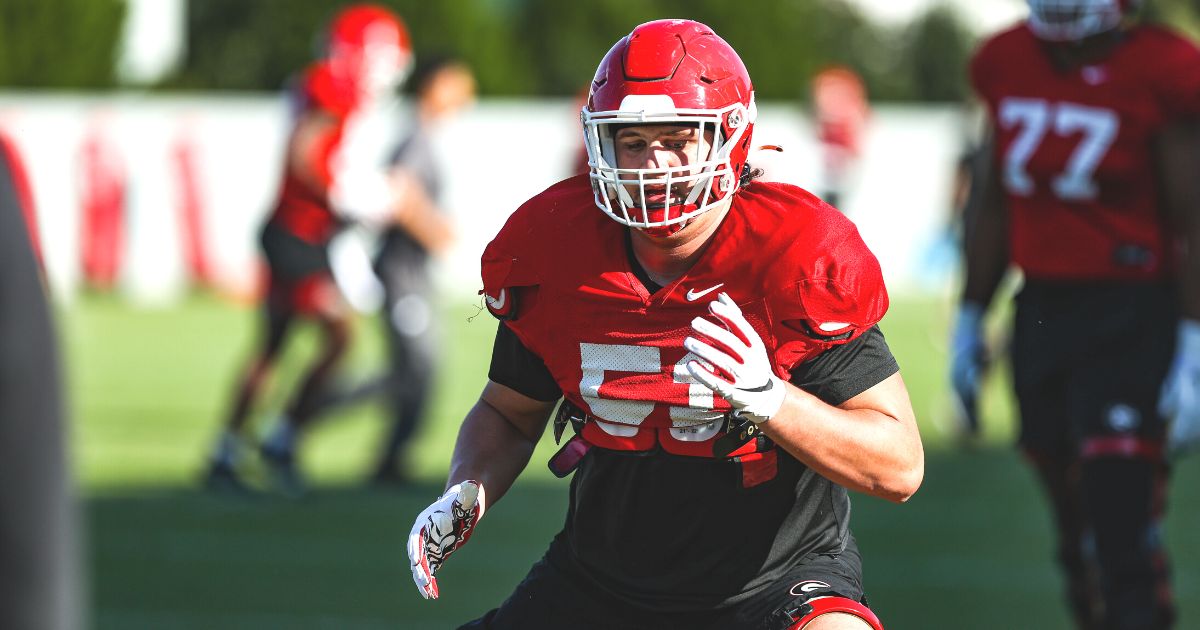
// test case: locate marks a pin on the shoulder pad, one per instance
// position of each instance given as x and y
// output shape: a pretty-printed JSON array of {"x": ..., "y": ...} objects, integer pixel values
[{"x": 324, "y": 91}]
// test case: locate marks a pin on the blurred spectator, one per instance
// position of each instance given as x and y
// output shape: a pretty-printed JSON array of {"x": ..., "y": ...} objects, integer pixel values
[
  {"x": 443, "y": 87},
  {"x": 102, "y": 195},
  {"x": 1090, "y": 188},
  {"x": 39, "y": 574},
  {"x": 367, "y": 53},
  {"x": 841, "y": 112}
]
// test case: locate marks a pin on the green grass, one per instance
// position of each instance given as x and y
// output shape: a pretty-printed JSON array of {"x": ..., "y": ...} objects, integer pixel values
[{"x": 148, "y": 388}]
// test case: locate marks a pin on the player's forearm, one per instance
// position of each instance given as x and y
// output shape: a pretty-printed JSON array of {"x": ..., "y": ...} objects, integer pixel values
[
  {"x": 417, "y": 214},
  {"x": 307, "y": 151},
  {"x": 432, "y": 230},
  {"x": 986, "y": 255},
  {"x": 1189, "y": 278},
  {"x": 1178, "y": 156},
  {"x": 490, "y": 450},
  {"x": 1189, "y": 272},
  {"x": 864, "y": 449},
  {"x": 985, "y": 234}
]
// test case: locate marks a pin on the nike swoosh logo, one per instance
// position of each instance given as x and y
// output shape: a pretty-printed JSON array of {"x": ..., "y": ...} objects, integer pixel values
[
  {"x": 497, "y": 303},
  {"x": 693, "y": 295}
]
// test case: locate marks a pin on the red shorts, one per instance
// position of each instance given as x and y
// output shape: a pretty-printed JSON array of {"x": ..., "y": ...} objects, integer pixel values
[{"x": 306, "y": 295}]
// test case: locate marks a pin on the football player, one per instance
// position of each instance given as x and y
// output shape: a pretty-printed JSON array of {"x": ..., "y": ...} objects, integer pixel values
[
  {"x": 713, "y": 340},
  {"x": 443, "y": 88},
  {"x": 367, "y": 53},
  {"x": 1090, "y": 190}
]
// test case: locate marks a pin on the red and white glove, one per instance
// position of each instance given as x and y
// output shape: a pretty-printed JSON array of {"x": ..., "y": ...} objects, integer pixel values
[
  {"x": 1179, "y": 402},
  {"x": 744, "y": 375},
  {"x": 440, "y": 530}
]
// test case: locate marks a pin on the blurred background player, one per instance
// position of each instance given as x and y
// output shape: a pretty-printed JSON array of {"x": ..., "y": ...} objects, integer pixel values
[
  {"x": 443, "y": 86},
  {"x": 665, "y": 297},
  {"x": 1091, "y": 191},
  {"x": 367, "y": 53}
]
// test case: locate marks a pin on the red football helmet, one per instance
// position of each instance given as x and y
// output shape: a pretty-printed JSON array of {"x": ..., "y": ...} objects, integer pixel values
[
  {"x": 1074, "y": 20},
  {"x": 370, "y": 45},
  {"x": 669, "y": 72}
]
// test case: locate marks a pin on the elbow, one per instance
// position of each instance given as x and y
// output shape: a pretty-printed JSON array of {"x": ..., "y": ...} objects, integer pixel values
[{"x": 903, "y": 484}]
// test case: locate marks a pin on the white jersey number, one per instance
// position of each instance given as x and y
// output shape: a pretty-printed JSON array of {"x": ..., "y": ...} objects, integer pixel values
[
  {"x": 1033, "y": 119},
  {"x": 597, "y": 359}
]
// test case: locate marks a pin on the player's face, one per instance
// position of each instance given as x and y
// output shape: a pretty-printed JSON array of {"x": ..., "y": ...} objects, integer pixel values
[{"x": 661, "y": 147}]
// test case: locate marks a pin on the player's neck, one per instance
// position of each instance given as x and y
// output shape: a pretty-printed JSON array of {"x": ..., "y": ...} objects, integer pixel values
[
  {"x": 666, "y": 259},
  {"x": 1095, "y": 49}
]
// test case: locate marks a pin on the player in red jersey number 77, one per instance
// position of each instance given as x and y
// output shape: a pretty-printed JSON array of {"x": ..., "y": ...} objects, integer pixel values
[
  {"x": 713, "y": 340},
  {"x": 1091, "y": 190}
]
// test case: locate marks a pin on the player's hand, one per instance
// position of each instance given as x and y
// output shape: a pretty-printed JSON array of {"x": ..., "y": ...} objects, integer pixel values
[
  {"x": 363, "y": 195},
  {"x": 743, "y": 375},
  {"x": 440, "y": 530},
  {"x": 968, "y": 361},
  {"x": 1180, "y": 399}
]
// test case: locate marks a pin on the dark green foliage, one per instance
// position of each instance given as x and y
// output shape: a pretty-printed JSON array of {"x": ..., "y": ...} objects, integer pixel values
[
  {"x": 517, "y": 47},
  {"x": 59, "y": 43},
  {"x": 937, "y": 45}
]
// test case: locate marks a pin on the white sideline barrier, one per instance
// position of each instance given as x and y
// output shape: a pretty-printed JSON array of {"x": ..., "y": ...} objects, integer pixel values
[{"x": 495, "y": 155}]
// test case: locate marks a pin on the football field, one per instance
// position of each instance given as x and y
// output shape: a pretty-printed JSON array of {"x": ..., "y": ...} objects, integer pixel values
[{"x": 148, "y": 387}]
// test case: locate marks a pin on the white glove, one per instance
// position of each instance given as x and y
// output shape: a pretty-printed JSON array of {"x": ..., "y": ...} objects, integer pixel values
[
  {"x": 364, "y": 195},
  {"x": 350, "y": 262},
  {"x": 440, "y": 530},
  {"x": 968, "y": 360},
  {"x": 744, "y": 378},
  {"x": 1180, "y": 398}
]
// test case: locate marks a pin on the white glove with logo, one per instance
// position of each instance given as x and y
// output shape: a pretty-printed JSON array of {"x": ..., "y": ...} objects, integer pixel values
[
  {"x": 968, "y": 360},
  {"x": 1180, "y": 398},
  {"x": 440, "y": 530},
  {"x": 745, "y": 378}
]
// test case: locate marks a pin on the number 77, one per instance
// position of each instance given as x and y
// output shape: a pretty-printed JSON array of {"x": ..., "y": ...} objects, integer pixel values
[{"x": 1033, "y": 119}]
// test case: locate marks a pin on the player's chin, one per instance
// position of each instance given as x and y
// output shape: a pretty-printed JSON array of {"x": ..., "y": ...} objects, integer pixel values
[{"x": 659, "y": 231}]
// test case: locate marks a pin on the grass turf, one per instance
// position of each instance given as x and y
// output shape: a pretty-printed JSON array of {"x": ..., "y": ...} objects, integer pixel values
[{"x": 147, "y": 389}]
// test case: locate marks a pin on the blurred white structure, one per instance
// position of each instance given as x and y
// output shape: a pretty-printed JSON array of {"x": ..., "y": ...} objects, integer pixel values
[
  {"x": 496, "y": 156},
  {"x": 152, "y": 40},
  {"x": 981, "y": 16}
]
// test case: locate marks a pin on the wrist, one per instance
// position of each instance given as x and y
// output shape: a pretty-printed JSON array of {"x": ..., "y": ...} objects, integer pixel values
[
  {"x": 469, "y": 490},
  {"x": 970, "y": 315},
  {"x": 769, "y": 402}
]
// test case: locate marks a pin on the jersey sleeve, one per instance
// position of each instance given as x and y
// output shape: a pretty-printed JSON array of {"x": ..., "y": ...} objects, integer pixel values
[
  {"x": 845, "y": 371},
  {"x": 1175, "y": 74},
  {"x": 840, "y": 299},
  {"x": 518, "y": 368},
  {"x": 512, "y": 267}
]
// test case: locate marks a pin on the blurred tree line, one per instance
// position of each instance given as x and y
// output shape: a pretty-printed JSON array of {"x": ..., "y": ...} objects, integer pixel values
[
  {"x": 551, "y": 47},
  {"x": 517, "y": 47}
]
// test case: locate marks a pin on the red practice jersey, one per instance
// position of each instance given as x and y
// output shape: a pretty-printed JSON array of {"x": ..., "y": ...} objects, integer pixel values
[
  {"x": 558, "y": 273},
  {"x": 1075, "y": 150},
  {"x": 302, "y": 210}
]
